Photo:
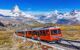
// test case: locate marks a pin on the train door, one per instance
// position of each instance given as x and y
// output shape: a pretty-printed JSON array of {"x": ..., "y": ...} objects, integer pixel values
[
  {"x": 42, "y": 34},
  {"x": 35, "y": 35},
  {"x": 26, "y": 34},
  {"x": 45, "y": 35},
  {"x": 29, "y": 34},
  {"x": 48, "y": 35}
]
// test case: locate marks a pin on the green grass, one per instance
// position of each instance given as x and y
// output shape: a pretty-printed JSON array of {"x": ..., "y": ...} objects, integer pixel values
[{"x": 5, "y": 38}]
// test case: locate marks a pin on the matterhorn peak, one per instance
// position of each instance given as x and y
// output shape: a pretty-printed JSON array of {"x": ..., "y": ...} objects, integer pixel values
[{"x": 16, "y": 9}]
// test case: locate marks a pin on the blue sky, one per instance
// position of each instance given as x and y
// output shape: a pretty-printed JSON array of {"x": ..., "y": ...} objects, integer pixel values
[{"x": 41, "y": 5}]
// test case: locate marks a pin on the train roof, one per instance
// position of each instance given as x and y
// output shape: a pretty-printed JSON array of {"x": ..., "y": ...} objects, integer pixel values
[
  {"x": 40, "y": 28},
  {"x": 20, "y": 30},
  {"x": 44, "y": 28}
]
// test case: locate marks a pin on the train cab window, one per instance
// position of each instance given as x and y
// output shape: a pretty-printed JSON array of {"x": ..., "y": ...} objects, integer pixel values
[
  {"x": 38, "y": 33},
  {"x": 55, "y": 31},
  {"x": 41, "y": 32}
]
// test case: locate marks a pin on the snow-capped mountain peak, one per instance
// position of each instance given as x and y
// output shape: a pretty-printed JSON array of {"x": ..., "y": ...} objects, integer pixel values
[
  {"x": 16, "y": 9},
  {"x": 50, "y": 17}
]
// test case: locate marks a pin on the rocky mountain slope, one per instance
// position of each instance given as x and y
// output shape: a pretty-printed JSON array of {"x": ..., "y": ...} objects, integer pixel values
[{"x": 16, "y": 16}]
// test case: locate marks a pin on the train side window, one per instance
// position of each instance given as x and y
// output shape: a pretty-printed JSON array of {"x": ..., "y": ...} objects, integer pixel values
[
  {"x": 26, "y": 32},
  {"x": 38, "y": 33},
  {"x": 44, "y": 33},
  {"x": 23, "y": 32},
  {"x": 29, "y": 32},
  {"x": 41, "y": 32},
  {"x": 47, "y": 32},
  {"x": 34, "y": 33}
]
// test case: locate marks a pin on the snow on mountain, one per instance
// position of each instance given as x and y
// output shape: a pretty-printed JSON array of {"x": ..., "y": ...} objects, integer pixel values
[
  {"x": 5, "y": 12},
  {"x": 70, "y": 17},
  {"x": 16, "y": 15},
  {"x": 49, "y": 17},
  {"x": 60, "y": 18}
]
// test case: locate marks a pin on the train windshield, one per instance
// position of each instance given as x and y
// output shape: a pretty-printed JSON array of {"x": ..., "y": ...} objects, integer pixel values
[{"x": 55, "y": 31}]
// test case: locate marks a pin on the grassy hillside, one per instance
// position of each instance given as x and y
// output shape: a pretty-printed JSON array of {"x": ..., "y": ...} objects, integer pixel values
[
  {"x": 69, "y": 32},
  {"x": 6, "y": 38}
]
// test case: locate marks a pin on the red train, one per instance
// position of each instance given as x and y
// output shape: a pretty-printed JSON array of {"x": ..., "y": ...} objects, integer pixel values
[{"x": 48, "y": 34}]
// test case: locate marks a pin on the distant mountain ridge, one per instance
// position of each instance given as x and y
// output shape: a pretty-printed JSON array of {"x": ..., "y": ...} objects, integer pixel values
[{"x": 17, "y": 16}]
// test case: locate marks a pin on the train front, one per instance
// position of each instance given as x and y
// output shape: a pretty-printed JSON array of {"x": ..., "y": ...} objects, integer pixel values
[{"x": 56, "y": 34}]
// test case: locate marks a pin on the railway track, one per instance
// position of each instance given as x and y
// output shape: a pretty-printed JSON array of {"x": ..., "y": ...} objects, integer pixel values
[
  {"x": 70, "y": 44},
  {"x": 63, "y": 45},
  {"x": 67, "y": 45}
]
